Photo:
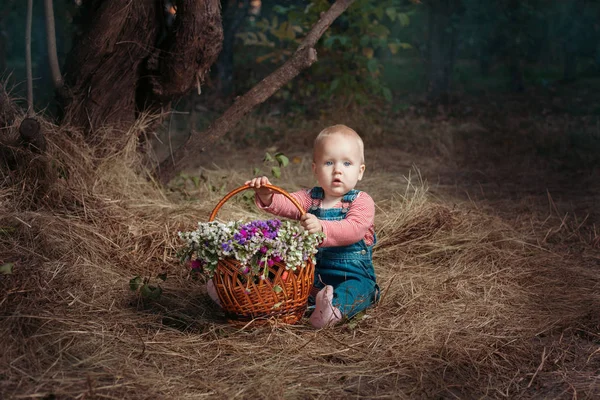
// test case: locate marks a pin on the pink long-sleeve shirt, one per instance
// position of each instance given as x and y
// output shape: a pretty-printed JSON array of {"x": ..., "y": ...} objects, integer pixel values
[{"x": 358, "y": 224}]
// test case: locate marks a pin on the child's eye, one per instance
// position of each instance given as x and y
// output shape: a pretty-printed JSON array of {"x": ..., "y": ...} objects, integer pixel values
[
  {"x": 347, "y": 163},
  {"x": 328, "y": 163}
]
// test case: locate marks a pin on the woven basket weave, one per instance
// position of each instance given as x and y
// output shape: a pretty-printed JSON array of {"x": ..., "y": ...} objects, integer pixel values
[{"x": 257, "y": 300}]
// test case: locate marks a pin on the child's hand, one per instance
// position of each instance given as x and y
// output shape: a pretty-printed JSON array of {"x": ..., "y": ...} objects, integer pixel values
[
  {"x": 311, "y": 223},
  {"x": 264, "y": 194}
]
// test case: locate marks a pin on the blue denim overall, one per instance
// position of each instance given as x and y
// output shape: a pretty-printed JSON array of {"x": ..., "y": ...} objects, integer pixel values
[{"x": 349, "y": 269}]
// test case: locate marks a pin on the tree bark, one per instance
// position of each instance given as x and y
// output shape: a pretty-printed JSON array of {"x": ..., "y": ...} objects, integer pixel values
[
  {"x": 118, "y": 70},
  {"x": 303, "y": 58}
]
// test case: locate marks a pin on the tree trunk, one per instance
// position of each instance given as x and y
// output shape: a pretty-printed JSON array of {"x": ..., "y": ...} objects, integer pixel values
[
  {"x": 441, "y": 44},
  {"x": 118, "y": 69}
]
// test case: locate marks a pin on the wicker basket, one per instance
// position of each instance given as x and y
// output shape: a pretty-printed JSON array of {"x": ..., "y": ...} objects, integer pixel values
[{"x": 261, "y": 302}]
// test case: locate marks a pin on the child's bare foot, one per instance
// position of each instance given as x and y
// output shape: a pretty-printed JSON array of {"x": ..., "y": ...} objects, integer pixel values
[
  {"x": 212, "y": 291},
  {"x": 325, "y": 313}
]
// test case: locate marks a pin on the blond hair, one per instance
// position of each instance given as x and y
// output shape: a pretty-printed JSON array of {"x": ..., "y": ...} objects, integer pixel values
[{"x": 342, "y": 130}]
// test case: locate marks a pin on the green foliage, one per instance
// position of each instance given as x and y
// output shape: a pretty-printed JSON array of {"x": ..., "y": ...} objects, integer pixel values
[
  {"x": 6, "y": 269},
  {"x": 146, "y": 290},
  {"x": 274, "y": 164},
  {"x": 350, "y": 51},
  {"x": 187, "y": 185}
]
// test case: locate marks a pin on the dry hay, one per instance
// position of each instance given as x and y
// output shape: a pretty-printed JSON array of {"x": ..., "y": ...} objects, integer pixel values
[{"x": 470, "y": 307}]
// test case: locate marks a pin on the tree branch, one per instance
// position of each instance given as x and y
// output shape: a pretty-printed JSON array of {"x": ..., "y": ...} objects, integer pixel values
[
  {"x": 28, "y": 57},
  {"x": 303, "y": 58},
  {"x": 51, "y": 42}
]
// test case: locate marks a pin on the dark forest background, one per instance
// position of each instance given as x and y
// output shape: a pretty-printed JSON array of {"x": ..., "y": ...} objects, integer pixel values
[{"x": 398, "y": 52}]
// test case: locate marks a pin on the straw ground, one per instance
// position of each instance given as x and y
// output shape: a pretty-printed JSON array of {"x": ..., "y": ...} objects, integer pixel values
[{"x": 477, "y": 302}]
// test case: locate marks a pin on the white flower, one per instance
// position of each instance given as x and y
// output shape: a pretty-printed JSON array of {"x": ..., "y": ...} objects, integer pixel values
[{"x": 255, "y": 245}]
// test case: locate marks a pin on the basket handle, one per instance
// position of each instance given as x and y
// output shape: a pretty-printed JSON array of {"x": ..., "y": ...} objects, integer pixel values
[{"x": 229, "y": 195}]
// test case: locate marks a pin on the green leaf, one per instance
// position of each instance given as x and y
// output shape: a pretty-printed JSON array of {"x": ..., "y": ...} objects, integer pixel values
[
  {"x": 387, "y": 94},
  {"x": 255, "y": 171},
  {"x": 378, "y": 11},
  {"x": 282, "y": 160},
  {"x": 277, "y": 305},
  {"x": 263, "y": 38},
  {"x": 151, "y": 292},
  {"x": 196, "y": 180},
  {"x": 391, "y": 13},
  {"x": 404, "y": 19},
  {"x": 282, "y": 32},
  {"x": 352, "y": 324},
  {"x": 334, "y": 84},
  {"x": 277, "y": 289},
  {"x": 252, "y": 38},
  {"x": 276, "y": 171},
  {"x": 6, "y": 269},
  {"x": 372, "y": 65},
  {"x": 135, "y": 283},
  {"x": 268, "y": 157}
]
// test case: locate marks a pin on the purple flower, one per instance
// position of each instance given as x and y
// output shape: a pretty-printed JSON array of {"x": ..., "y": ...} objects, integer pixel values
[
  {"x": 255, "y": 244},
  {"x": 196, "y": 265},
  {"x": 240, "y": 239}
]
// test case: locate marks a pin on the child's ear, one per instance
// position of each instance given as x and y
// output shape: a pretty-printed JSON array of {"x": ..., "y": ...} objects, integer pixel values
[
  {"x": 361, "y": 171},
  {"x": 314, "y": 168}
]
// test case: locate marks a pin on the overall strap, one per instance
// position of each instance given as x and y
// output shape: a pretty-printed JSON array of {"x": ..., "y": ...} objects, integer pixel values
[
  {"x": 350, "y": 196},
  {"x": 317, "y": 193}
]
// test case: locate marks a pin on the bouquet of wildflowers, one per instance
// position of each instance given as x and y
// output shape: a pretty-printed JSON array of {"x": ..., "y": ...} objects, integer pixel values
[{"x": 256, "y": 245}]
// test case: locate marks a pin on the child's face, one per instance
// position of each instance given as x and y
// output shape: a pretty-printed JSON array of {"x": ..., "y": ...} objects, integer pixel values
[{"x": 338, "y": 165}]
